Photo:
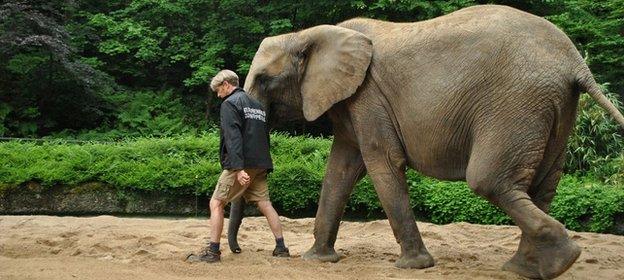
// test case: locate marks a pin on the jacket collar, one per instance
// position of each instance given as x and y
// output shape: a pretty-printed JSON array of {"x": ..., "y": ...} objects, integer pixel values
[{"x": 235, "y": 91}]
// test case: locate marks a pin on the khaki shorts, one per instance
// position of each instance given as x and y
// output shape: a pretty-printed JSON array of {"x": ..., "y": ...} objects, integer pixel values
[{"x": 229, "y": 189}]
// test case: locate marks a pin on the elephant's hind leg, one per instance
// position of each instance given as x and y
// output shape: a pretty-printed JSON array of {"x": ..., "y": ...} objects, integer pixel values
[
  {"x": 504, "y": 174},
  {"x": 541, "y": 193}
]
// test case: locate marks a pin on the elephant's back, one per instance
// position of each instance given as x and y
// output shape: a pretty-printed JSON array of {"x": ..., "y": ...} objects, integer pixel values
[
  {"x": 498, "y": 25},
  {"x": 464, "y": 43}
]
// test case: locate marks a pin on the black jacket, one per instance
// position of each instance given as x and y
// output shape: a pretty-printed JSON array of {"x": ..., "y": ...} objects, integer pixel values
[{"x": 244, "y": 133}]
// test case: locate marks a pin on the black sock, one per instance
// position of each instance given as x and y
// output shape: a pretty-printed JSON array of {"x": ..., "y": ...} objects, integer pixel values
[
  {"x": 214, "y": 246},
  {"x": 279, "y": 243}
]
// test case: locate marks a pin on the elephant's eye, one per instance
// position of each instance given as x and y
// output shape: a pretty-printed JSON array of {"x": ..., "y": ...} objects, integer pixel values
[
  {"x": 302, "y": 55},
  {"x": 263, "y": 81}
]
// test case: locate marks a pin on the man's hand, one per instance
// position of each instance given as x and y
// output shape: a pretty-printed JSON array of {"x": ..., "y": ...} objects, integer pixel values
[{"x": 243, "y": 178}]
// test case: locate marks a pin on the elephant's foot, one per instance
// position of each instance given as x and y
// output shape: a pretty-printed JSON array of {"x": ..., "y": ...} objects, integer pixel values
[
  {"x": 523, "y": 266},
  {"x": 555, "y": 259},
  {"x": 422, "y": 260},
  {"x": 324, "y": 255},
  {"x": 544, "y": 260}
]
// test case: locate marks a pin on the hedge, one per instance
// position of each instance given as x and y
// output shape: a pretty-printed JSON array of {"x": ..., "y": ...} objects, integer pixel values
[{"x": 190, "y": 165}]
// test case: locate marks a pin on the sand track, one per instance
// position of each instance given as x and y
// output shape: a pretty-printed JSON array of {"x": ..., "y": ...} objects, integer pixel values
[{"x": 106, "y": 247}]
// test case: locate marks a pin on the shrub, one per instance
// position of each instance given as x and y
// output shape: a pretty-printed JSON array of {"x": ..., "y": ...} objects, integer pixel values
[
  {"x": 449, "y": 202},
  {"x": 190, "y": 165},
  {"x": 595, "y": 139},
  {"x": 583, "y": 204}
]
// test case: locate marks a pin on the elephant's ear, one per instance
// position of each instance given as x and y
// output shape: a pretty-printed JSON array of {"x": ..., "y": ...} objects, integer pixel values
[{"x": 337, "y": 61}]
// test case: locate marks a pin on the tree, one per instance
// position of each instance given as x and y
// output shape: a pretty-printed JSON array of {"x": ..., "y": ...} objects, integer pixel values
[{"x": 42, "y": 81}]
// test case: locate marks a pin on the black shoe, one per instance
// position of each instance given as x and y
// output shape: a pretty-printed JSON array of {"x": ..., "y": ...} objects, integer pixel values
[
  {"x": 206, "y": 255},
  {"x": 281, "y": 252}
]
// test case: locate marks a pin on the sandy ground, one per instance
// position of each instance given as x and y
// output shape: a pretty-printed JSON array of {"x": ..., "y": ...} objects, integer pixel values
[{"x": 106, "y": 247}]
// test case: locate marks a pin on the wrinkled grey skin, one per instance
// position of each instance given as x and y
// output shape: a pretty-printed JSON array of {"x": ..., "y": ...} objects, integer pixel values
[
  {"x": 487, "y": 94},
  {"x": 237, "y": 209}
]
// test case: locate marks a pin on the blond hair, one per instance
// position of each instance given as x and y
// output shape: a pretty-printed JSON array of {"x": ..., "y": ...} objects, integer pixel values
[{"x": 224, "y": 75}]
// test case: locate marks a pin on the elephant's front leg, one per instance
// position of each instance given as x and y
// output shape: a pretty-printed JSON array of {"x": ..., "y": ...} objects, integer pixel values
[
  {"x": 345, "y": 167},
  {"x": 390, "y": 184},
  {"x": 385, "y": 162}
]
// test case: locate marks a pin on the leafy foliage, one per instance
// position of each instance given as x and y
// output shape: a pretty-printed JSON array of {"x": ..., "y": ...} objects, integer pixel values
[
  {"x": 596, "y": 139},
  {"x": 597, "y": 28},
  {"x": 64, "y": 56},
  {"x": 190, "y": 164},
  {"x": 41, "y": 79},
  {"x": 584, "y": 204}
]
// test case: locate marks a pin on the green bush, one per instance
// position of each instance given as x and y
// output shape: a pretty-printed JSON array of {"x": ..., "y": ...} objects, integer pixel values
[
  {"x": 295, "y": 187},
  {"x": 190, "y": 165},
  {"x": 583, "y": 204},
  {"x": 144, "y": 113},
  {"x": 170, "y": 164},
  {"x": 449, "y": 202},
  {"x": 595, "y": 139}
]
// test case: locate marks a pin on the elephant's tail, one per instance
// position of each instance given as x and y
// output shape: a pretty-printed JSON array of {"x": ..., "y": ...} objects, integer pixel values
[{"x": 587, "y": 84}]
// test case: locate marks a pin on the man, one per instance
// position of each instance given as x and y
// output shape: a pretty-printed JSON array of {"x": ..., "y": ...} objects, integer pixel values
[{"x": 245, "y": 160}]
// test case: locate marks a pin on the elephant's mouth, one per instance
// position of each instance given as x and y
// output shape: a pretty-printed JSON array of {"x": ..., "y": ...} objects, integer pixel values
[
  {"x": 281, "y": 114},
  {"x": 277, "y": 114}
]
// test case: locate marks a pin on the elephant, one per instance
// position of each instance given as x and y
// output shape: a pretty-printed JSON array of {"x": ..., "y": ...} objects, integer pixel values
[{"x": 487, "y": 94}]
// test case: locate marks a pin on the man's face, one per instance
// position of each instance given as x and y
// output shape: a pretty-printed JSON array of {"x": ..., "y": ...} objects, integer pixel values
[{"x": 223, "y": 89}]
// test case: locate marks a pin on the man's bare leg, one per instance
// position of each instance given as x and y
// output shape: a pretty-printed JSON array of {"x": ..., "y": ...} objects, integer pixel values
[
  {"x": 276, "y": 227},
  {"x": 271, "y": 215},
  {"x": 212, "y": 253},
  {"x": 216, "y": 220}
]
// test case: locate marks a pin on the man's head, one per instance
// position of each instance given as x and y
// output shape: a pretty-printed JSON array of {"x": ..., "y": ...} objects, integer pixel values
[{"x": 224, "y": 83}]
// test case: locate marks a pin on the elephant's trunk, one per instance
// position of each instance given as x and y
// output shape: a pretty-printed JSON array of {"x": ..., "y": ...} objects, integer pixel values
[{"x": 236, "y": 218}]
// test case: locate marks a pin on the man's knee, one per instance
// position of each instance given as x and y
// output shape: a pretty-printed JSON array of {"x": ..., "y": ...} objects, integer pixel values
[
  {"x": 264, "y": 205},
  {"x": 216, "y": 204}
]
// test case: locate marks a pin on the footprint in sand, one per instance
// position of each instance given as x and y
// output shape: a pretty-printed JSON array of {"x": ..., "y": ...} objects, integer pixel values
[
  {"x": 141, "y": 252},
  {"x": 431, "y": 235},
  {"x": 147, "y": 240},
  {"x": 98, "y": 249},
  {"x": 188, "y": 234},
  {"x": 125, "y": 236},
  {"x": 69, "y": 234},
  {"x": 577, "y": 237},
  {"x": 47, "y": 242}
]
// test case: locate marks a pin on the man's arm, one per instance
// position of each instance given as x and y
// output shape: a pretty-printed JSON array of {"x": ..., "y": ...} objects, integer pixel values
[{"x": 232, "y": 125}]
